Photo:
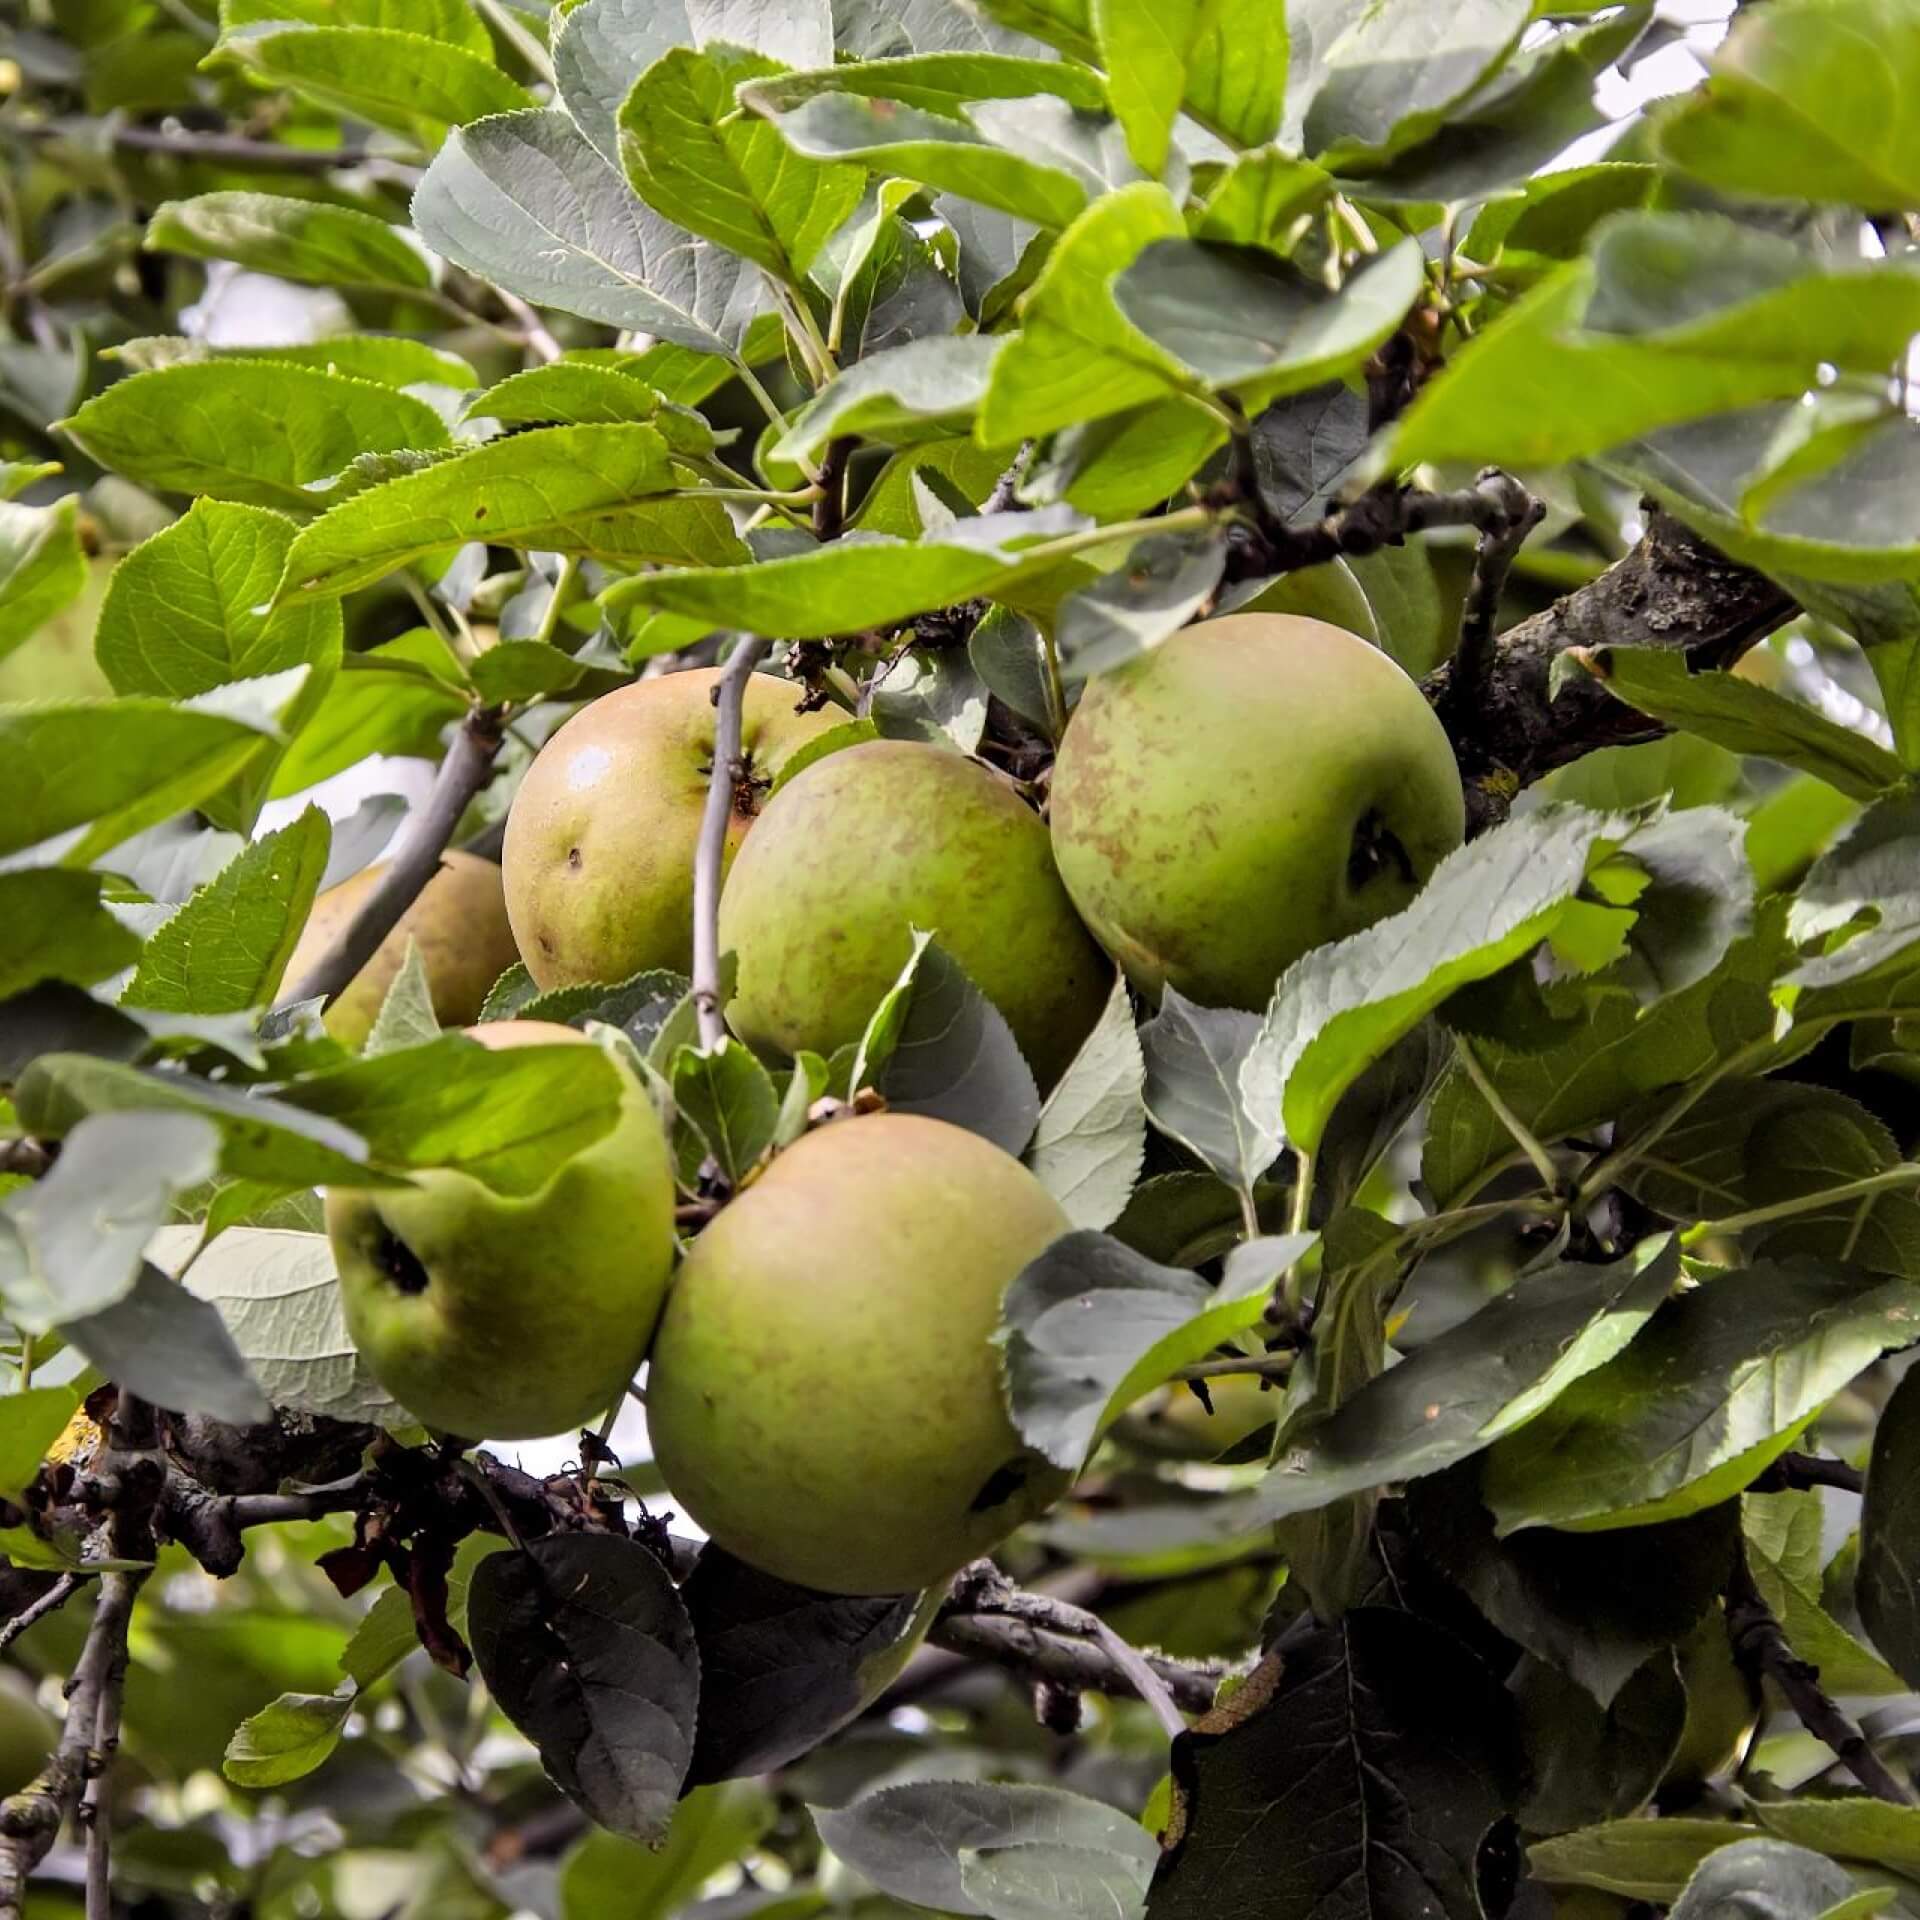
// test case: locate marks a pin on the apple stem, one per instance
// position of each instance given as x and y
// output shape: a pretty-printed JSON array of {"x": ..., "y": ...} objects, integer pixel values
[{"x": 729, "y": 698}]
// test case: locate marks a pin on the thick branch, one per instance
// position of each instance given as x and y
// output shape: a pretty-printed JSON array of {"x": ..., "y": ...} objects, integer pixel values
[
  {"x": 728, "y": 699},
  {"x": 1795, "y": 1471},
  {"x": 1673, "y": 590},
  {"x": 1761, "y": 1647},
  {"x": 467, "y": 768}
]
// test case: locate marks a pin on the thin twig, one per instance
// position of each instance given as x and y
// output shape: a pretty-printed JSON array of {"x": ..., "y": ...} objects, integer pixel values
[
  {"x": 1793, "y": 1472},
  {"x": 1513, "y": 514},
  {"x": 1522, "y": 1135},
  {"x": 55, "y": 1597},
  {"x": 1259, "y": 1366},
  {"x": 221, "y": 149},
  {"x": 540, "y": 343},
  {"x": 729, "y": 697},
  {"x": 467, "y": 768},
  {"x": 1146, "y": 1683},
  {"x": 1761, "y": 1646}
]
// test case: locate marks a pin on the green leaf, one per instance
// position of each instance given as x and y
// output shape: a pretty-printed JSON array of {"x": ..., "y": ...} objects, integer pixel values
[
  {"x": 226, "y": 948},
  {"x": 508, "y": 1118},
  {"x": 1603, "y": 350},
  {"x": 1122, "y": 464},
  {"x": 1637, "y": 1859},
  {"x": 1342, "y": 1005},
  {"x": 566, "y": 393},
  {"x": 53, "y": 927},
  {"x": 729, "y": 1097},
  {"x": 387, "y": 359},
  {"x": 1811, "y": 100},
  {"x": 71, "y": 1244},
  {"x": 185, "y": 610},
  {"x": 1720, "y": 1383},
  {"x": 278, "y": 1296},
  {"x": 42, "y": 567},
  {"x": 1144, "y": 46},
  {"x": 1168, "y": 578},
  {"x": 603, "y": 46},
  {"x": 1869, "y": 1831},
  {"x": 526, "y": 670},
  {"x": 693, "y": 157},
  {"x": 450, "y": 20},
  {"x": 1783, "y": 1534},
  {"x": 1032, "y": 158},
  {"x": 1861, "y": 904},
  {"x": 908, "y": 1840},
  {"x": 559, "y": 489},
  {"x": 1090, "y": 1326},
  {"x": 404, "y": 82},
  {"x": 286, "y": 1740},
  {"x": 1772, "y": 1876},
  {"x": 293, "y": 239},
  {"x": 712, "y": 1827},
  {"x": 939, "y": 82},
  {"x": 920, "y": 391},
  {"x": 1194, "y": 1060},
  {"x": 247, "y": 430},
  {"x": 406, "y": 1016},
  {"x": 1391, "y": 74},
  {"x": 1091, "y": 1138},
  {"x": 1040, "y": 1880},
  {"x": 261, "y": 1139},
  {"x": 524, "y": 201},
  {"x": 937, "y": 1045},
  {"x": 1077, "y": 356},
  {"x": 860, "y": 580},
  {"x": 1744, "y": 717},
  {"x": 384, "y": 703},
  {"x": 1888, "y": 1584},
  {"x": 114, "y": 767},
  {"x": 31, "y": 1420},
  {"x": 1493, "y": 1373},
  {"x": 1263, "y": 329}
]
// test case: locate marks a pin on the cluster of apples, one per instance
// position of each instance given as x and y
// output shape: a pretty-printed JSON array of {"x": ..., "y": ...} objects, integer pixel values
[{"x": 823, "y": 1393}]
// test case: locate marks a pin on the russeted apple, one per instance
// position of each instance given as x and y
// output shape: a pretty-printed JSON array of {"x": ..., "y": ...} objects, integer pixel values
[
  {"x": 601, "y": 836},
  {"x": 861, "y": 848},
  {"x": 494, "y": 1316},
  {"x": 1250, "y": 788},
  {"x": 459, "y": 923},
  {"x": 824, "y": 1396}
]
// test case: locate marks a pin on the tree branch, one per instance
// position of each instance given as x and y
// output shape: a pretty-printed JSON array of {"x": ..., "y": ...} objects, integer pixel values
[
  {"x": 31, "y": 1819},
  {"x": 55, "y": 1597},
  {"x": 986, "y": 1617},
  {"x": 1515, "y": 513},
  {"x": 1795, "y": 1471},
  {"x": 1761, "y": 1647},
  {"x": 467, "y": 768},
  {"x": 729, "y": 696},
  {"x": 218, "y": 149},
  {"x": 1673, "y": 590}
]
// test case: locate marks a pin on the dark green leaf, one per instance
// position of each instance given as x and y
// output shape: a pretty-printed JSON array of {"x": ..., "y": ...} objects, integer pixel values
[
  {"x": 1888, "y": 1585},
  {"x": 1589, "y": 1762},
  {"x": 589, "y": 1652},
  {"x": 1718, "y": 1385},
  {"x": 781, "y": 1666},
  {"x": 729, "y": 1097},
  {"x": 1384, "y": 1738}
]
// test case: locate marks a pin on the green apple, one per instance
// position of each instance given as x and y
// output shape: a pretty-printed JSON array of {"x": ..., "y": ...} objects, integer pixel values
[
  {"x": 863, "y": 847},
  {"x": 601, "y": 836},
  {"x": 459, "y": 923},
  {"x": 508, "y": 1318},
  {"x": 824, "y": 1394},
  {"x": 1250, "y": 788}
]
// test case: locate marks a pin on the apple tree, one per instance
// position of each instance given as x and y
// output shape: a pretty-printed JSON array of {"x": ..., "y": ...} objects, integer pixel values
[{"x": 959, "y": 955}]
